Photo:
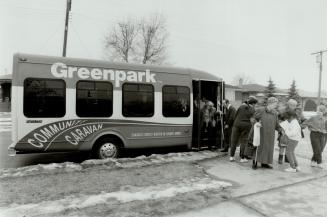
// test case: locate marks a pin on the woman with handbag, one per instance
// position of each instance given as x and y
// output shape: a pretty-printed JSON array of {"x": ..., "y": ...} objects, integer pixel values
[
  {"x": 291, "y": 138},
  {"x": 269, "y": 123}
]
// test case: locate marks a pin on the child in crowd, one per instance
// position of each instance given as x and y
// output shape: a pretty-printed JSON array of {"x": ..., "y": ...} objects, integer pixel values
[
  {"x": 292, "y": 130},
  {"x": 317, "y": 124}
]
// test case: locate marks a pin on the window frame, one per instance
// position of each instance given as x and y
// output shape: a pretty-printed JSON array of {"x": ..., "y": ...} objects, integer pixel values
[
  {"x": 112, "y": 99},
  {"x": 189, "y": 97},
  {"x": 153, "y": 99},
  {"x": 46, "y": 79}
]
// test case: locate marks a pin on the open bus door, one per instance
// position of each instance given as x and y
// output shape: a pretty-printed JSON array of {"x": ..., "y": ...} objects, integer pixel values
[{"x": 203, "y": 91}]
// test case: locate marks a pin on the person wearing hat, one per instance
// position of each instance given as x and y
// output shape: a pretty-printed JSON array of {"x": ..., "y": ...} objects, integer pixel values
[
  {"x": 228, "y": 123},
  {"x": 241, "y": 128},
  {"x": 317, "y": 125},
  {"x": 268, "y": 118},
  {"x": 208, "y": 123},
  {"x": 291, "y": 106}
]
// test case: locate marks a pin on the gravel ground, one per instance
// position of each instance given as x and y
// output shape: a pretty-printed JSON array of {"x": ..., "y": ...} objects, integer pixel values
[{"x": 98, "y": 189}]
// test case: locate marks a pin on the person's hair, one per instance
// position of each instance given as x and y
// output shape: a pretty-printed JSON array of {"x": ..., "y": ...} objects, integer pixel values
[
  {"x": 226, "y": 101},
  {"x": 322, "y": 109},
  {"x": 271, "y": 100},
  {"x": 290, "y": 114},
  {"x": 252, "y": 100},
  {"x": 292, "y": 101}
]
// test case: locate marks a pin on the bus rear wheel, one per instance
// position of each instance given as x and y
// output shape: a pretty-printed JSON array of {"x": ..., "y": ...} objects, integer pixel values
[{"x": 107, "y": 148}]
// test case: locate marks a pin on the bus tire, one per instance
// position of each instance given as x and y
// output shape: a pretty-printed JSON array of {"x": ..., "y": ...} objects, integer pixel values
[{"x": 107, "y": 148}]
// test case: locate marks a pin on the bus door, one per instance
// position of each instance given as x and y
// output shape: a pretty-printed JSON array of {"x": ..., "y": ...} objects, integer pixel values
[{"x": 204, "y": 91}]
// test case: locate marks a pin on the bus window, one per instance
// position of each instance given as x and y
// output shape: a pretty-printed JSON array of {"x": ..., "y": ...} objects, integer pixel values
[
  {"x": 175, "y": 101},
  {"x": 93, "y": 99},
  {"x": 44, "y": 98},
  {"x": 138, "y": 100}
]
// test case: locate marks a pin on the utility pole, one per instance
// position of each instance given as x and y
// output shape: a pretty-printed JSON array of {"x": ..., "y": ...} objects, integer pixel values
[
  {"x": 68, "y": 7},
  {"x": 319, "y": 60}
]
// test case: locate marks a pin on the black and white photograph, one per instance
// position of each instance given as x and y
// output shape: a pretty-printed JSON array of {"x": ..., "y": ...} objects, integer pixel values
[{"x": 163, "y": 108}]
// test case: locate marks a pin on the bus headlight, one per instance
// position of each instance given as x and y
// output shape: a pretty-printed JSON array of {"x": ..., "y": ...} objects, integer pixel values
[{"x": 11, "y": 151}]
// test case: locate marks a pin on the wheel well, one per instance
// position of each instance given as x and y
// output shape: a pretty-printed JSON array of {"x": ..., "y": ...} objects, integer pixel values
[{"x": 108, "y": 136}]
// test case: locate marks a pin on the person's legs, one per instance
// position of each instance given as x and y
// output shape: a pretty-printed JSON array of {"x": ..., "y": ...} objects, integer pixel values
[
  {"x": 320, "y": 145},
  {"x": 254, "y": 162},
  {"x": 210, "y": 130},
  {"x": 290, "y": 153},
  {"x": 314, "y": 138},
  {"x": 294, "y": 156},
  {"x": 227, "y": 140},
  {"x": 281, "y": 153},
  {"x": 234, "y": 140},
  {"x": 243, "y": 140},
  {"x": 323, "y": 142}
]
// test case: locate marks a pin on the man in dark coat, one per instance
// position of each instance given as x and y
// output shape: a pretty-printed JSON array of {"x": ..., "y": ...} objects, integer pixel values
[
  {"x": 241, "y": 128},
  {"x": 229, "y": 117}
]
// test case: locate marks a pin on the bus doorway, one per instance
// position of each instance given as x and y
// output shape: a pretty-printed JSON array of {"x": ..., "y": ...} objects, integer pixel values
[{"x": 207, "y": 133}]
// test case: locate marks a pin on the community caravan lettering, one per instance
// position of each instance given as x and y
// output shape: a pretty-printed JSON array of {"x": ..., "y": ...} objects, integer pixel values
[
  {"x": 61, "y": 70},
  {"x": 79, "y": 131}
]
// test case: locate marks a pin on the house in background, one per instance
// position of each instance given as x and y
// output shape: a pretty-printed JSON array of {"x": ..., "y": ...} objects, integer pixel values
[
  {"x": 238, "y": 94},
  {"x": 258, "y": 91},
  {"x": 5, "y": 92},
  {"x": 309, "y": 100},
  {"x": 5, "y": 87},
  {"x": 234, "y": 94}
]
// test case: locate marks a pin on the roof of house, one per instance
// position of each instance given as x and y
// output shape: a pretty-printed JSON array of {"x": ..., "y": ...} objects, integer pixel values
[
  {"x": 6, "y": 78},
  {"x": 232, "y": 86}
]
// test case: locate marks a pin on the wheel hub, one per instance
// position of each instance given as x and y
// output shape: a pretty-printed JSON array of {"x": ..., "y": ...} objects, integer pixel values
[{"x": 108, "y": 150}]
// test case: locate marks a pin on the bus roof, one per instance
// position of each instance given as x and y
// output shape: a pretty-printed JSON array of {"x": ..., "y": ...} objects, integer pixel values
[{"x": 195, "y": 74}]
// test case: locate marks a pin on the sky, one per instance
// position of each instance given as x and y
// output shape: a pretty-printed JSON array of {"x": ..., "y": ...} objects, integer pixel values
[{"x": 255, "y": 38}]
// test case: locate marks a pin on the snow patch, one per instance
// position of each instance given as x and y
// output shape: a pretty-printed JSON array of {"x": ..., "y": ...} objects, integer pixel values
[
  {"x": 154, "y": 159},
  {"x": 39, "y": 169},
  {"x": 124, "y": 196},
  {"x": 7, "y": 129},
  {"x": 5, "y": 120},
  {"x": 141, "y": 161}
]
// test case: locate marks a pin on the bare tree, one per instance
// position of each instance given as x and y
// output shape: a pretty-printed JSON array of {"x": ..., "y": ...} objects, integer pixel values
[
  {"x": 140, "y": 42},
  {"x": 153, "y": 39},
  {"x": 241, "y": 79},
  {"x": 120, "y": 42}
]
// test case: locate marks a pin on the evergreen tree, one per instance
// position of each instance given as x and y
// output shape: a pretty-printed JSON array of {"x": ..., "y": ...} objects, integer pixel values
[
  {"x": 293, "y": 94},
  {"x": 271, "y": 89}
]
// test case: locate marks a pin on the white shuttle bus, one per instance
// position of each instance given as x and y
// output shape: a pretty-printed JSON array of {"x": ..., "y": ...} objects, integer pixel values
[{"x": 68, "y": 104}]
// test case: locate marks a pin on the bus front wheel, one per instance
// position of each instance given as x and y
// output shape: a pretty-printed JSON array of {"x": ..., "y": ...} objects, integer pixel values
[{"x": 107, "y": 148}]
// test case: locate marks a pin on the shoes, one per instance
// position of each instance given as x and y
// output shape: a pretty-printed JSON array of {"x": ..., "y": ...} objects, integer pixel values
[
  {"x": 280, "y": 159},
  {"x": 320, "y": 166},
  {"x": 298, "y": 169},
  {"x": 254, "y": 166},
  {"x": 313, "y": 163},
  {"x": 290, "y": 170},
  {"x": 243, "y": 160},
  {"x": 267, "y": 166},
  {"x": 224, "y": 150},
  {"x": 231, "y": 159}
]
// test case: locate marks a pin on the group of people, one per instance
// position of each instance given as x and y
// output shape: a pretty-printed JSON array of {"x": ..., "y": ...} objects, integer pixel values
[
  {"x": 210, "y": 122},
  {"x": 253, "y": 129}
]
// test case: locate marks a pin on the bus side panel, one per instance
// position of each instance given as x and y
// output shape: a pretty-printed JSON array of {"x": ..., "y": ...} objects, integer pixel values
[{"x": 79, "y": 134}]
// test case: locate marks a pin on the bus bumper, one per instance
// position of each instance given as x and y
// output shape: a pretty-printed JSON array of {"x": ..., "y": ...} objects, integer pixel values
[{"x": 11, "y": 150}]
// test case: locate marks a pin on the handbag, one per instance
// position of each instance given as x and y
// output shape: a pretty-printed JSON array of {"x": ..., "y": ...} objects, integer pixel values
[
  {"x": 283, "y": 139},
  {"x": 256, "y": 134}
]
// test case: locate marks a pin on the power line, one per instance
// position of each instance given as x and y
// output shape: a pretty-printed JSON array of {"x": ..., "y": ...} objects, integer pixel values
[
  {"x": 80, "y": 40},
  {"x": 45, "y": 43},
  {"x": 319, "y": 60},
  {"x": 68, "y": 8}
]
